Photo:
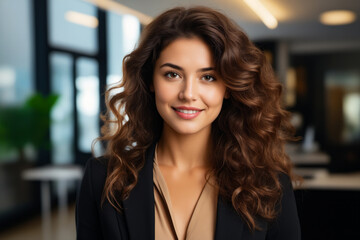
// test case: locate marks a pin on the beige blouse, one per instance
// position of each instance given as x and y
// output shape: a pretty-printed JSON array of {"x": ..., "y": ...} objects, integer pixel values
[{"x": 202, "y": 221}]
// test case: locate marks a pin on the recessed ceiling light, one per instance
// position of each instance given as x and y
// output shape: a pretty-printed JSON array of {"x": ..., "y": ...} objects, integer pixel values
[{"x": 337, "y": 17}]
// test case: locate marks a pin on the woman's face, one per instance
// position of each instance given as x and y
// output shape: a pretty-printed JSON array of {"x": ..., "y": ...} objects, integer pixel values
[{"x": 188, "y": 92}]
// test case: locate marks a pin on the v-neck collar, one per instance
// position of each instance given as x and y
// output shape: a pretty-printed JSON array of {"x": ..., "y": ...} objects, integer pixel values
[
  {"x": 140, "y": 214},
  {"x": 160, "y": 184}
]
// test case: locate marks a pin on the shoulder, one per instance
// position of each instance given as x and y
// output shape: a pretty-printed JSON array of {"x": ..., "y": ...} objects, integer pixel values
[
  {"x": 96, "y": 167},
  {"x": 88, "y": 202},
  {"x": 285, "y": 182},
  {"x": 287, "y": 194},
  {"x": 95, "y": 175},
  {"x": 286, "y": 225}
]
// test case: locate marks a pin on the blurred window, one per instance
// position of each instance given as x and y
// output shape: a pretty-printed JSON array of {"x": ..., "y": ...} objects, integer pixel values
[
  {"x": 62, "y": 116},
  {"x": 73, "y": 25},
  {"x": 123, "y": 34},
  {"x": 16, "y": 51},
  {"x": 87, "y": 102}
]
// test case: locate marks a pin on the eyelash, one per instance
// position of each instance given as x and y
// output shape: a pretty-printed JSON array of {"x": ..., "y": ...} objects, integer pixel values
[
  {"x": 205, "y": 77},
  {"x": 171, "y": 74},
  {"x": 208, "y": 76}
]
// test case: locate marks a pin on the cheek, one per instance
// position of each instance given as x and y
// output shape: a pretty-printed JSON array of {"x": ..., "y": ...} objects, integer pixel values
[
  {"x": 214, "y": 97},
  {"x": 163, "y": 92}
]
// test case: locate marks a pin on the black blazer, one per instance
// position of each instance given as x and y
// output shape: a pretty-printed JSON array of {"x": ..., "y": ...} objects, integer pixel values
[{"x": 137, "y": 220}]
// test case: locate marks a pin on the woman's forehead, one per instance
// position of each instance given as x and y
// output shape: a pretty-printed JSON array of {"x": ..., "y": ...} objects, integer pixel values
[{"x": 187, "y": 51}]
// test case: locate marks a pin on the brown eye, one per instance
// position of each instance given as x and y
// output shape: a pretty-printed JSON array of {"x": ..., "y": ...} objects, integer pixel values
[
  {"x": 171, "y": 75},
  {"x": 208, "y": 78}
]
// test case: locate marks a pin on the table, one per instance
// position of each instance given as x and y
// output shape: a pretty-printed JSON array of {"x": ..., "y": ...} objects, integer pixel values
[
  {"x": 61, "y": 174},
  {"x": 323, "y": 180}
]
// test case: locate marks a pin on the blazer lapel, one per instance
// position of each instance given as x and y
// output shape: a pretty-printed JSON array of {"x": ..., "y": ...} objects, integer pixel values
[
  {"x": 139, "y": 206},
  {"x": 140, "y": 215},
  {"x": 229, "y": 224}
]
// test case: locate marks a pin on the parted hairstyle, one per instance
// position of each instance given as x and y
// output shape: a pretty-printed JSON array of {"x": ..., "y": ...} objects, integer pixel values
[{"x": 248, "y": 135}]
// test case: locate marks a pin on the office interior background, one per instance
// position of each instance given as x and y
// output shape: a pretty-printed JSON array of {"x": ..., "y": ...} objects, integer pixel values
[{"x": 57, "y": 57}]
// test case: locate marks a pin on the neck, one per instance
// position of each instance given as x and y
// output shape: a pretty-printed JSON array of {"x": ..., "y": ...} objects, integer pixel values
[{"x": 184, "y": 151}]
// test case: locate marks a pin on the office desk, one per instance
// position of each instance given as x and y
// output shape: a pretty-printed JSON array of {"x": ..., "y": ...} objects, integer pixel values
[
  {"x": 328, "y": 204},
  {"x": 55, "y": 173},
  {"x": 321, "y": 179}
]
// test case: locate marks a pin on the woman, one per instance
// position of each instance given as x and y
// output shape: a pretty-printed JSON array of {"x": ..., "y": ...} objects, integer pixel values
[{"x": 194, "y": 140}]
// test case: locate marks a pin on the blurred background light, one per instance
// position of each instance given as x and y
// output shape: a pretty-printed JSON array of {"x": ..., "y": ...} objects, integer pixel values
[
  {"x": 264, "y": 14},
  {"x": 82, "y": 19},
  {"x": 119, "y": 8},
  {"x": 337, "y": 17}
]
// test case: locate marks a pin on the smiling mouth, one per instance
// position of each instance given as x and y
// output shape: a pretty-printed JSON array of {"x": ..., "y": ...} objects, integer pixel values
[{"x": 187, "y": 113}]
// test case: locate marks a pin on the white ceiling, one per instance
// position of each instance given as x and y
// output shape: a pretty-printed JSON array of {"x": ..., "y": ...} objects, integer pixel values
[{"x": 298, "y": 19}]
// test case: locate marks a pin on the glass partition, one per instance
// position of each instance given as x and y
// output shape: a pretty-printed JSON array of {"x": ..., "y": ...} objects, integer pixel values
[{"x": 62, "y": 115}]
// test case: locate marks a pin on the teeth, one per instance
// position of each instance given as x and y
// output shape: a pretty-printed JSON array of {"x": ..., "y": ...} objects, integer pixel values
[{"x": 187, "y": 111}]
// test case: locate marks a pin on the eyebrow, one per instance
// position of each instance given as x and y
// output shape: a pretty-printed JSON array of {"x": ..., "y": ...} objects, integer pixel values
[{"x": 181, "y": 69}]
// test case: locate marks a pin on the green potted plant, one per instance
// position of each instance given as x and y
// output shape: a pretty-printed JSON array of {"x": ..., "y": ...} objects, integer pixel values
[{"x": 27, "y": 124}]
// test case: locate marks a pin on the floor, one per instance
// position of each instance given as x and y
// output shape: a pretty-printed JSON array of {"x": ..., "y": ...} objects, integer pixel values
[{"x": 61, "y": 227}]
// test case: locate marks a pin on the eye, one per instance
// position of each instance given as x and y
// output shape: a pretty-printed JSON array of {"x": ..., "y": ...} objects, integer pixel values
[
  {"x": 208, "y": 78},
  {"x": 172, "y": 75}
]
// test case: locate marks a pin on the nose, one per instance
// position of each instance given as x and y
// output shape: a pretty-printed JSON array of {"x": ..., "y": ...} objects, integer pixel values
[{"x": 189, "y": 91}]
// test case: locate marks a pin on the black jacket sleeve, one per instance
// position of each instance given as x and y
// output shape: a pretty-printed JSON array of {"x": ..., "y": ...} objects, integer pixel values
[
  {"x": 286, "y": 226},
  {"x": 88, "y": 225}
]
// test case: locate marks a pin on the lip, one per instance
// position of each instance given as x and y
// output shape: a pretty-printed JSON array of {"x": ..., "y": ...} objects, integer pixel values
[{"x": 187, "y": 113}]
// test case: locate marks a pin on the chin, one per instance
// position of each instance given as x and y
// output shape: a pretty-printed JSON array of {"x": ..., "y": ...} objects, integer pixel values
[{"x": 187, "y": 130}]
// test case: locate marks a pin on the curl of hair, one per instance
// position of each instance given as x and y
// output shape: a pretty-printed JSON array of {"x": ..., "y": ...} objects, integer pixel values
[{"x": 248, "y": 135}]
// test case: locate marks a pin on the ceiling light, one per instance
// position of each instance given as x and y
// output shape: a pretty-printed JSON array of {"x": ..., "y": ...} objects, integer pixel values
[
  {"x": 263, "y": 13},
  {"x": 337, "y": 17},
  {"x": 121, "y": 9},
  {"x": 82, "y": 19}
]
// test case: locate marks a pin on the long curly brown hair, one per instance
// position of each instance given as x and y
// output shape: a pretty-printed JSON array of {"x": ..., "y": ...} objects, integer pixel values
[{"x": 249, "y": 133}]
